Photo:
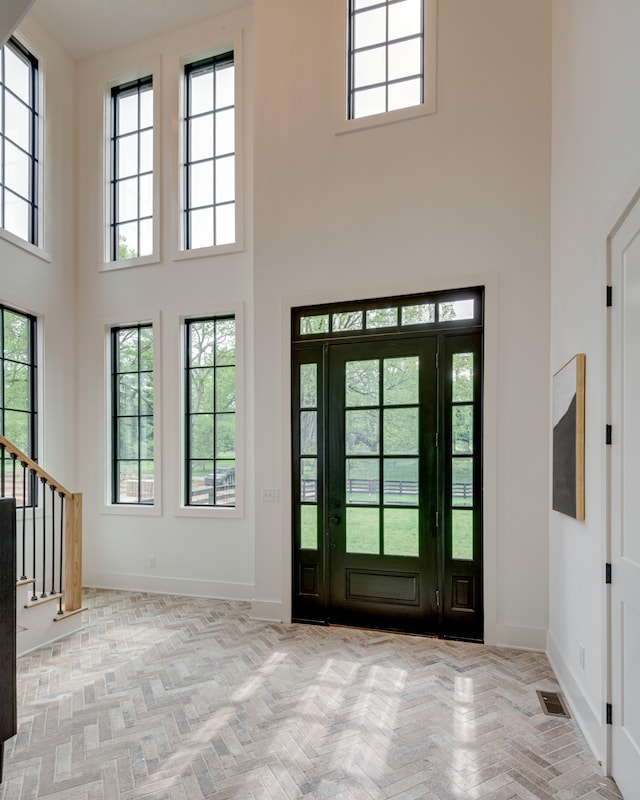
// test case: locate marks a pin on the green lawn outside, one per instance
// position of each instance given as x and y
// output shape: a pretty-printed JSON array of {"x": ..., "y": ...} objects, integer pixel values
[{"x": 400, "y": 534}]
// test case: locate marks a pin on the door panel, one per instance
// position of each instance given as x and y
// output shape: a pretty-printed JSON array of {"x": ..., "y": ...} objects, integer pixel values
[
  {"x": 625, "y": 505},
  {"x": 382, "y": 480},
  {"x": 461, "y": 363}
]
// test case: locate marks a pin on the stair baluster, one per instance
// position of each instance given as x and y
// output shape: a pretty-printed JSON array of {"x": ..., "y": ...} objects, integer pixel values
[
  {"x": 61, "y": 495},
  {"x": 32, "y": 493},
  {"x": 53, "y": 539},
  {"x": 23, "y": 577},
  {"x": 43, "y": 594}
]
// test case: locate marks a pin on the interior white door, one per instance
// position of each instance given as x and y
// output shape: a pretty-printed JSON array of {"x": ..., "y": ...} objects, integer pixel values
[{"x": 625, "y": 504}]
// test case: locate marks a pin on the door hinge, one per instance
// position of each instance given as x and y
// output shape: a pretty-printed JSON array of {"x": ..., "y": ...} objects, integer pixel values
[
  {"x": 609, "y": 296},
  {"x": 437, "y": 518},
  {"x": 437, "y": 439},
  {"x": 607, "y": 573},
  {"x": 609, "y": 714},
  {"x": 437, "y": 598},
  {"x": 608, "y": 433},
  {"x": 437, "y": 360}
]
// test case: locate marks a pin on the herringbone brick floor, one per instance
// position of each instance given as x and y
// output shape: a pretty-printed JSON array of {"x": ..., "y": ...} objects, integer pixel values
[{"x": 174, "y": 698}]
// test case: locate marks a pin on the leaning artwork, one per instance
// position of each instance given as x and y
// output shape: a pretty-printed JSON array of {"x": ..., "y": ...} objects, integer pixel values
[{"x": 568, "y": 438}]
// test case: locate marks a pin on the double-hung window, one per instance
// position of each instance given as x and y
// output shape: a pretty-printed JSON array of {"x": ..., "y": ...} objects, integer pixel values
[
  {"x": 131, "y": 233},
  {"x": 18, "y": 386},
  {"x": 209, "y": 184},
  {"x": 210, "y": 406},
  {"x": 132, "y": 461},
  {"x": 19, "y": 141}
]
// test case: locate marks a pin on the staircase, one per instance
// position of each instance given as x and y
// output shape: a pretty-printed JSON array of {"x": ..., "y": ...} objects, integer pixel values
[{"x": 49, "y": 550}]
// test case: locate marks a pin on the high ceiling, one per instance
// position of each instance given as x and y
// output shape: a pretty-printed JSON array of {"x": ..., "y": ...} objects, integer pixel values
[{"x": 86, "y": 27}]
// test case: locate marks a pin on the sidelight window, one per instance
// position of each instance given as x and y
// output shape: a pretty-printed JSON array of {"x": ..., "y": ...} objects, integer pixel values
[{"x": 463, "y": 454}]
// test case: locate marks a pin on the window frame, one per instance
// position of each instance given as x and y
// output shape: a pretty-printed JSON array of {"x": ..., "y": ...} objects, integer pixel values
[
  {"x": 342, "y": 91},
  {"x": 32, "y": 364},
  {"x": 115, "y": 416},
  {"x": 214, "y": 63},
  {"x": 150, "y": 69},
  {"x": 35, "y": 234},
  {"x": 236, "y": 311},
  {"x": 189, "y": 413},
  {"x": 136, "y": 88},
  {"x": 131, "y": 509},
  {"x": 232, "y": 43}
]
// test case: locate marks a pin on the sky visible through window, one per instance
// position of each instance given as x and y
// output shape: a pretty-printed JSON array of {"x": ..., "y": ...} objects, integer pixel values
[
  {"x": 210, "y": 160},
  {"x": 386, "y": 56}
]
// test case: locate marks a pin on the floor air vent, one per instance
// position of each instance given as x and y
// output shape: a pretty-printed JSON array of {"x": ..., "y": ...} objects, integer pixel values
[{"x": 553, "y": 704}]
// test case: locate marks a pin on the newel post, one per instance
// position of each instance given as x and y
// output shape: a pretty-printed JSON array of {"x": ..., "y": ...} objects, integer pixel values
[{"x": 73, "y": 554}]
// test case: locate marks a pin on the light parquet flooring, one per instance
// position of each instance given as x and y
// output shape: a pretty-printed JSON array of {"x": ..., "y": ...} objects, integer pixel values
[{"x": 177, "y": 698}]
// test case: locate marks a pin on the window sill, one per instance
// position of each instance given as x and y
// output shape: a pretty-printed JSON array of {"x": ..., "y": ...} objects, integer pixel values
[
  {"x": 128, "y": 263},
  {"x": 132, "y": 510},
  {"x": 207, "y": 252},
  {"x": 388, "y": 118},
  {"x": 22, "y": 244},
  {"x": 210, "y": 512}
]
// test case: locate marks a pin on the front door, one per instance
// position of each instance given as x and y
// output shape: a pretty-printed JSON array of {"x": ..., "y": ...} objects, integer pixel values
[
  {"x": 387, "y": 464},
  {"x": 625, "y": 504},
  {"x": 382, "y": 483}
]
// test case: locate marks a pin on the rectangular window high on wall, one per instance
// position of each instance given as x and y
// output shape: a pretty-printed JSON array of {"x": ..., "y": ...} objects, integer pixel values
[
  {"x": 209, "y": 179},
  {"x": 390, "y": 60},
  {"x": 210, "y": 418},
  {"x": 18, "y": 388},
  {"x": 131, "y": 179},
  {"x": 132, "y": 415},
  {"x": 19, "y": 141}
]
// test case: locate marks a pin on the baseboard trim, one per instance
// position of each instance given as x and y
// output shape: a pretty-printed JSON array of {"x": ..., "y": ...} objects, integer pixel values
[
  {"x": 266, "y": 610},
  {"x": 591, "y": 724},
  {"x": 517, "y": 637},
  {"x": 164, "y": 584}
]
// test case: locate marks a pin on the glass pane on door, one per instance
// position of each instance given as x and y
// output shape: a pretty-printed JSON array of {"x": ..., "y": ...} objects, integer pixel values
[{"x": 389, "y": 426}]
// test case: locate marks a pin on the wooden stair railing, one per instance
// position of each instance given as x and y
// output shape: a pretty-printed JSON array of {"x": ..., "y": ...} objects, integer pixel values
[{"x": 70, "y": 515}]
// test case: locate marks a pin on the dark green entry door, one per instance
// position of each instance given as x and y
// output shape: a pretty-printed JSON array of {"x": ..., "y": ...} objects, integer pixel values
[
  {"x": 387, "y": 466},
  {"x": 382, "y": 484}
]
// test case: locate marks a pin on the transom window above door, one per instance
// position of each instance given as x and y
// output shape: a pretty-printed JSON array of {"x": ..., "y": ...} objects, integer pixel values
[{"x": 399, "y": 315}]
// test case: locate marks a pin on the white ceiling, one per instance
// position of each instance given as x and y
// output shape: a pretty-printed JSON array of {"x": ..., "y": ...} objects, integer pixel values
[{"x": 86, "y": 27}]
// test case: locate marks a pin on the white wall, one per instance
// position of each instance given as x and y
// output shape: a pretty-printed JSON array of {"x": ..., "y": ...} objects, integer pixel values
[
  {"x": 596, "y": 154},
  {"x": 457, "y": 198},
  {"x": 195, "y": 554},
  {"x": 41, "y": 281},
  {"x": 454, "y": 199}
]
